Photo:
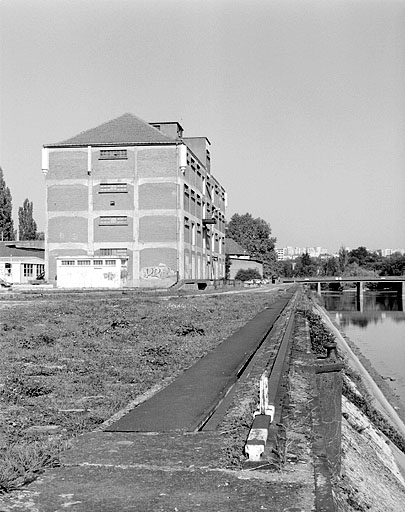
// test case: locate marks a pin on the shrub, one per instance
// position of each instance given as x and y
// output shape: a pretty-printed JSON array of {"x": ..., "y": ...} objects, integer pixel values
[{"x": 248, "y": 274}]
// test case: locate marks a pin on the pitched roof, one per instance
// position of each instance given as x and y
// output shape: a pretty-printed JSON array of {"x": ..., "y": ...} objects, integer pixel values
[
  {"x": 126, "y": 128},
  {"x": 21, "y": 250},
  {"x": 232, "y": 247},
  {"x": 25, "y": 244}
]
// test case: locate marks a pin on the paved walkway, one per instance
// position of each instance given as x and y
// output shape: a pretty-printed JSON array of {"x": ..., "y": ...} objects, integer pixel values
[
  {"x": 152, "y": 461},
  {"x": 189, "y": 400}
]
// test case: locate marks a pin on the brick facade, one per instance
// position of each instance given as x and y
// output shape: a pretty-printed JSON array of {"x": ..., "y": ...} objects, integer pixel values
[{"x": 151, "y": 203}]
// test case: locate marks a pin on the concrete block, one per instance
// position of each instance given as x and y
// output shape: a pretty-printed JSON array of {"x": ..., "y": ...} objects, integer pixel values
[{"x": 257, "y": 438}]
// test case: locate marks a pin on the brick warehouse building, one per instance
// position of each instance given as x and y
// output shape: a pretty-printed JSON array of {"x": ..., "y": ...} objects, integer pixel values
[{"x": 132, "y": 204}]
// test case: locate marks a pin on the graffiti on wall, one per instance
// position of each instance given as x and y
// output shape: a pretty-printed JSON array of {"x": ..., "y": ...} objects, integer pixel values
[
  {"x": 110, "y": 276},
  {"x": 160, "y": 271}
]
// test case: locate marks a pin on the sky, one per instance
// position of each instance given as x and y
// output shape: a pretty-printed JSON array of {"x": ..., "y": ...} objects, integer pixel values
[{"x": 302, "y": 101}]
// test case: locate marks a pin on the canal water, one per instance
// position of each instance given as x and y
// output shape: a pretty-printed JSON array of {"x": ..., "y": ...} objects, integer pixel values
[{"x": 377, "y": 329}]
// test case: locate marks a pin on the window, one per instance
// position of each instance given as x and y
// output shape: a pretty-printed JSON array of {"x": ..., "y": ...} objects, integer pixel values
[
  {"x": 186, "y": 198},
  {"x": 113, "y": 154},
  {"x": 68, "y": 262},
  {"x": 117, "y": 220},
  {"x": 106, "y": 188},
  {"x": 216, "y": 243},
  {"x": 198, "y": 211},
  {"x": 97, "y": 262},
  {"x": 193, "y": 233},
  {"x": 208, "y": 189},
  {"x": 28, "y": 269},
  {"x": 118, "y": 251},
  {"x": 221, "y": 245},
  {"x": 83, "y": 262},
  {"x": 187, "y": 237},
  {"x": 220, "y": 225},
  {"x": 192, "y": 204},
  {"x": 199, "y": 235},
  {"x": 110, "y": 262}
]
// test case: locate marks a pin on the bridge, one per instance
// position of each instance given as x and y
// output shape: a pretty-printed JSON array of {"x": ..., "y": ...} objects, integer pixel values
[
  {"x": 349, "y": 279},
  {"x": 396, "y": 282}
]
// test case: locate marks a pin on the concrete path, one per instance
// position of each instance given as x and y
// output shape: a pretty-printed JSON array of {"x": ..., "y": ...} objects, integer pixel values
[
  {"x": 117, "y": 472},
  {"x": 188, "y": 401}
]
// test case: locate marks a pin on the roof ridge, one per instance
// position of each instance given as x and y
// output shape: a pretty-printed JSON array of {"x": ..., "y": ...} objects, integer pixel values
[
  {"x": 231, "y": 243},
  {"x": 125, "y": 128},
  {"x": 98, "y": 126}
]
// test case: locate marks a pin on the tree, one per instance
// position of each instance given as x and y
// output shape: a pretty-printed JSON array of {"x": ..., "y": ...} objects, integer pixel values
[
  {"x": 26, "y": 223},
  {"x": 6, "y": 211},
  {"x": 330, "y": 267},
  {"x": 365, "y": 258},
  {"x": 393, "y": 265},
  {"x": 343, "y": 259},
  {"x": 305, "y": 266},
  {"x": 354, "y": 269},
  {"x": 254, "y": 236},
  {"x": 286, "y": 268},
  {"x": 358, "y": 255},
  {"x": 247, "y": 274}
]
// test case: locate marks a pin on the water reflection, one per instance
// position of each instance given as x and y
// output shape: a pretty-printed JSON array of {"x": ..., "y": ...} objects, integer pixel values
[
  {"x": 372, "y": 307},
  {"x": 378, "y": 330}
]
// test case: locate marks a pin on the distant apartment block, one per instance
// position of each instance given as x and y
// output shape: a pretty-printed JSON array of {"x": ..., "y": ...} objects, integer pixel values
[
  {"x": 131, "y": 203},
  {"x": 390, "y": 252},
  {"x": 291, "y": 253}
]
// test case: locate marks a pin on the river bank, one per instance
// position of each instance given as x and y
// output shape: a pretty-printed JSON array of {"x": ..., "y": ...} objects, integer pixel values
[
  {"x": 372, "y": 465},
  {"x": 384, "y": 397},
  {"x": 376, "y": 335}
]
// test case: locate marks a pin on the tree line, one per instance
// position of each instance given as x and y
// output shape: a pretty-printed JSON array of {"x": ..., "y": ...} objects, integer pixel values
[
  {"x": 254, "y": 235},
  {"x": 357, "y": 262},
  {"x": 27, "y": 227}
]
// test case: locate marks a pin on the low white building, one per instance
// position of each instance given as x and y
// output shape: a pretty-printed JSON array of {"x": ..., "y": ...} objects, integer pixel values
[
  {"x": 22, "y": 261},
  {"x": 91, "y": 272}
]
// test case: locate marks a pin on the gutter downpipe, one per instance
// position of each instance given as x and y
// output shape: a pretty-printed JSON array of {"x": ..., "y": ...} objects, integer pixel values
[{"x": 45, "y": 170}]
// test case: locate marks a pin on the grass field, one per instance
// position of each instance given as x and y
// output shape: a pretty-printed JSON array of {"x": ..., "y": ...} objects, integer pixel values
[{"x": 69, "y": 362}]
